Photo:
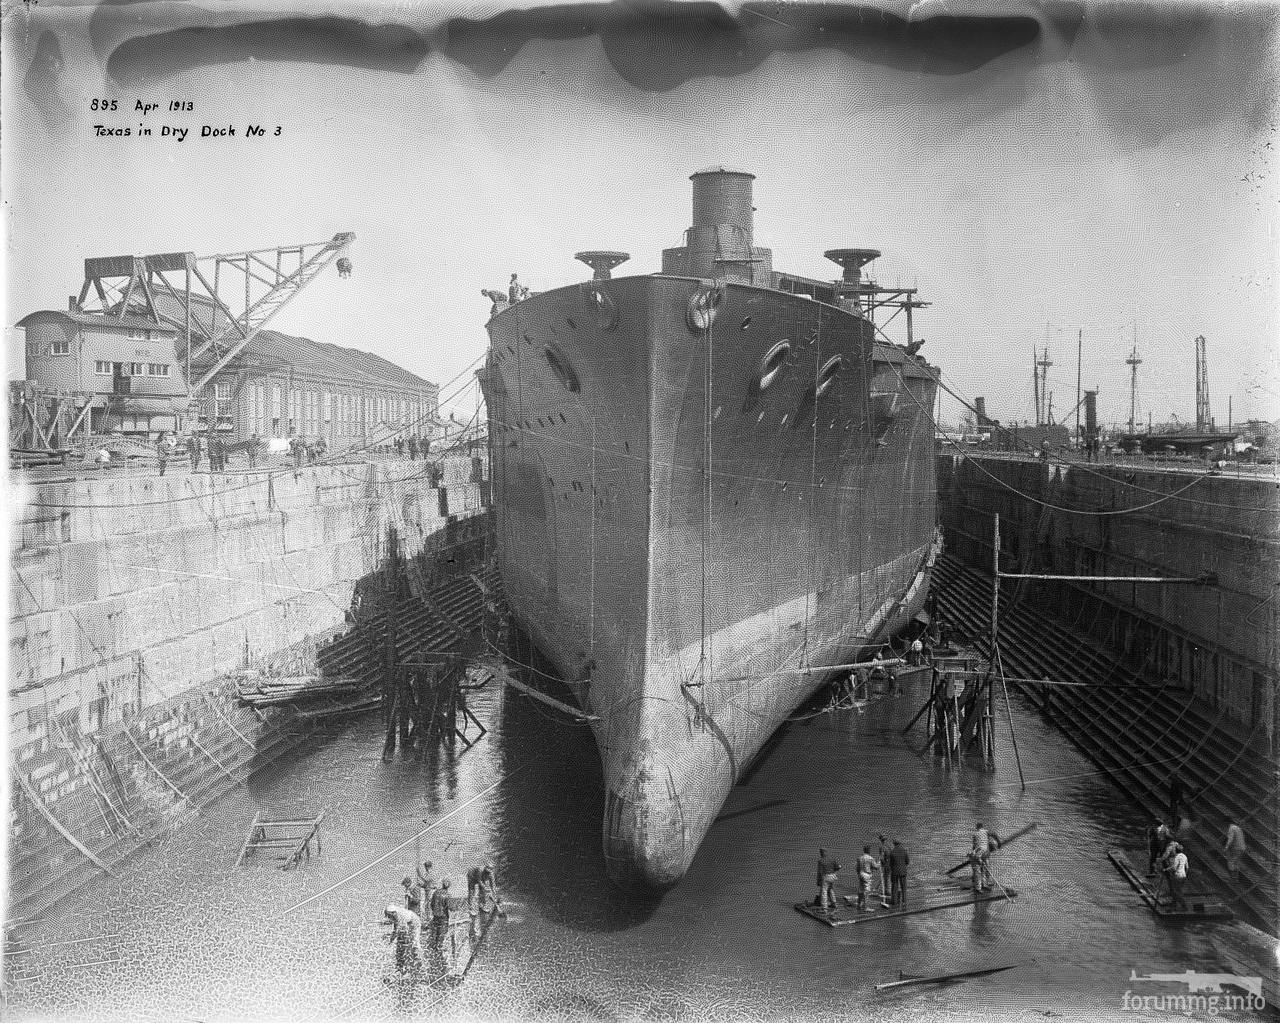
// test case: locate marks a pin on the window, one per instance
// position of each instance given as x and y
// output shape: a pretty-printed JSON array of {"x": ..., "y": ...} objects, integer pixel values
[
  {"x": 275, "y": 402},
  {"x": 139, "y": 334},
  {"x": 132, "y": 369},
  {"x": 222, "y": 390},
  {"x": 158, "y": 369},
  {"x": 60, "y": 348},
  {"x": 102, "y": 368}
]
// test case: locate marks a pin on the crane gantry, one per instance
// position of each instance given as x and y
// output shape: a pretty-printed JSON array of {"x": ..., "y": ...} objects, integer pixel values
[{"x": 213, "y": 326}]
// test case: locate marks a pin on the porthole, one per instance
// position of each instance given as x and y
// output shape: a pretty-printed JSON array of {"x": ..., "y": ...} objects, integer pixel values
[
  {"x": 602, "y": 307},
  {"x": 772, "y": 363},
  {"x": 560, "y": 366},
  {"x": 828, "y": 374},
  {"x": 746, "y": 322},
  {"x": 703, "y": 307}
]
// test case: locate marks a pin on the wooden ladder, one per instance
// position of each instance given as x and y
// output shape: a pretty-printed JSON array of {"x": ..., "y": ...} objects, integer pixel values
[{"x": 291, "y": 837}]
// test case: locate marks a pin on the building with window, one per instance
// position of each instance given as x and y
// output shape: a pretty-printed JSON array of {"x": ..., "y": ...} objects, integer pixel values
[{"x": 124, "y": 375}]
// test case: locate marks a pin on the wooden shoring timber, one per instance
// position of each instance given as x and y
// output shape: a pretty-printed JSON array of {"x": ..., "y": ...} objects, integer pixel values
[
  {"x": 177, "y": 791},
  {"x": 218, "y": 763},
  {"x": 227, "y": 721},
  {"x": 34, "y": 798},
  {"x": 550, "y": 701}
]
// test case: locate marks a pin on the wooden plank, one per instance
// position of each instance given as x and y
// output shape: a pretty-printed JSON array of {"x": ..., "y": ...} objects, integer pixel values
[
  {"x": 177, "y": 791},
  {"x": 946, "y": 978},
  {"x": 248, "y": 836},
  {"x": 815, "y": 913},
  {"x": 34, "y": 797},
  {"x": 1200, "y": 905}
]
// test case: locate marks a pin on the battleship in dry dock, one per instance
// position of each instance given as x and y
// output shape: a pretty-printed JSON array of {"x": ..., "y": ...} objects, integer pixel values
[{"x": 713, "y": 484}]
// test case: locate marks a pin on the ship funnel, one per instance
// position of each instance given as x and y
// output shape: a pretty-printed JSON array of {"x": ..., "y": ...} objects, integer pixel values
[
  {"x": 602, "y": 262},
  {"x": 720, "y": 241},
  {"x": 722, "y": 198}
]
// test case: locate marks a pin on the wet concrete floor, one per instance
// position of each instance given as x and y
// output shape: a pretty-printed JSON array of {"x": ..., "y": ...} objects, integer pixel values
[{"x": 185, "y": 935}]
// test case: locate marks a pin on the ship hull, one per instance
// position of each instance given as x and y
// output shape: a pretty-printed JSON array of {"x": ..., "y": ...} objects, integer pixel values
[{"x": 687, "y": 538}]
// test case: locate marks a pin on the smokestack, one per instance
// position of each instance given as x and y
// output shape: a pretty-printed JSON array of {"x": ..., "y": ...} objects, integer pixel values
[
  {"x": 1090, "y": 413},
  {"x": 720, "y": 241},
  {"x": 980, "y": 406}
]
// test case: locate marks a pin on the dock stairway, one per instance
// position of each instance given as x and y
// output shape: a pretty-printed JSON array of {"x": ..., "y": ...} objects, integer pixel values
[
  {"x": 424, "y": 626},
  {"x": 1138, "y": 733}
]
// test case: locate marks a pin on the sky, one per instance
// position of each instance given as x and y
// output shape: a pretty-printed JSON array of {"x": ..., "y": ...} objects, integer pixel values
[{"x": 1103, "y": 173}]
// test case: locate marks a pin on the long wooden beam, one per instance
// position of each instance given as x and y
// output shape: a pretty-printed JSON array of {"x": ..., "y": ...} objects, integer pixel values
[
  {"x": 506, "y": 679},
  {"x": 34, "y": 798}
]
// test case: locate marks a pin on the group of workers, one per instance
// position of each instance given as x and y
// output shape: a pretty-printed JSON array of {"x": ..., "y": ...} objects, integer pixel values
[
  {"x": 1168, "y": 861},
  {"x": 428, "y": 894},
  {"x": 411, "y": 445},
  {"x": 890, "y": 860}
]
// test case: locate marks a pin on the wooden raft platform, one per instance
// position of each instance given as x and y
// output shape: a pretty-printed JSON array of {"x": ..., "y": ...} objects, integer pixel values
[
  {"x": 1200, "y": 905},
  {"x": 291, "y": 838},
  {"x": 933, "y": 900}
]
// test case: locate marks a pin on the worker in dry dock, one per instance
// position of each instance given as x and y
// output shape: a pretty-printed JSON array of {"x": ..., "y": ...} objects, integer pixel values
[
  {"x": 513, "y": 289},
  {"x": 1234, "y": 849},
  {"x": 488, "y": 889},
  {"x": 440, "y": 914},
  {"x": 162, "y": 454},
  {"x": 884, "y": 848},
  {"x": 1158, "y": 838},
  {"x": 411, "y": 898},
  {"x": 1178, "y": 868},
  {"x": 867, "y": 865},
  {"x": 828, "y": 875},
  {"x": 899, "y": 860},
  {"x": 979, "y": 856},
  {"x": 427, "y": 882},
  {"x": 406, "y": 935}
]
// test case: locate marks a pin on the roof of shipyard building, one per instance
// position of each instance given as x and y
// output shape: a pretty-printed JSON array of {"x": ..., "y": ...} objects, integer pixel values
[
  {"x": 333, "y": 360},
  {"x": 98, "y": 320}
]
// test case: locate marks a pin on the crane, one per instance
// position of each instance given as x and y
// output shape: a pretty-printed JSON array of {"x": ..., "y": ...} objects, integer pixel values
[{"x": 214, "y": 326}]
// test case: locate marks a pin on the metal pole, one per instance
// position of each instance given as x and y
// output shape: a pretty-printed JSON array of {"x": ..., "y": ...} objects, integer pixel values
[
  {"x": 1079, "y": 354},
  {"x": 995, "y": 642}
]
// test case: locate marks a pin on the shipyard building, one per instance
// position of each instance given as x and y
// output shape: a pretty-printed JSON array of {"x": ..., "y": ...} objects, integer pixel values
[
  {"x": 154, "y": 344},
  {"x": 123, "y": 375}
]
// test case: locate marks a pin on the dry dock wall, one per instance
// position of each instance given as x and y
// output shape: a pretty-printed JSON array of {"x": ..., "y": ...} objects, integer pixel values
[
  {"x": 131, "y": 601},
  {"x": 1218, "y": 640}
]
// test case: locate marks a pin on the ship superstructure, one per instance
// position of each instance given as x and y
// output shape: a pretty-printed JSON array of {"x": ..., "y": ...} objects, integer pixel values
[{"x": 711, "y": 483}]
